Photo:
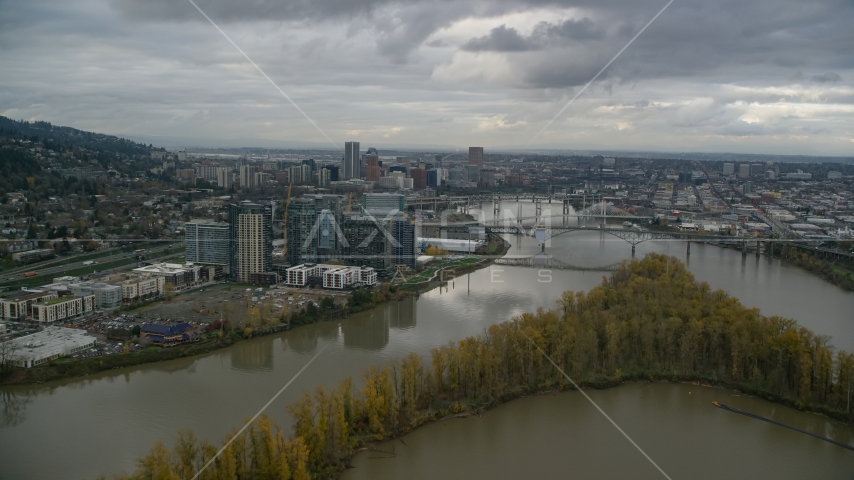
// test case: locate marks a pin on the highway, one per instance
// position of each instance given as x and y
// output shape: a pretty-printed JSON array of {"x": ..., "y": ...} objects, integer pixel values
[{"x": 48, "y": 272}]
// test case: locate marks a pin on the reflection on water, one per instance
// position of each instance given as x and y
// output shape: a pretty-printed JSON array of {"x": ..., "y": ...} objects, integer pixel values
[
  {"x": 370, "y": 330},
  {"x": 12, "y": 407},
  {"x": 253, "y": 355},
  {"x": 211, "y": 393}
]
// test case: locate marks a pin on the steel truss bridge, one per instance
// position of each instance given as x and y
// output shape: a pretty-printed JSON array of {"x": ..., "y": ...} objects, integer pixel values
[
  {"x": 634, "y": 236},
  {"x": 549, "y": 263}
]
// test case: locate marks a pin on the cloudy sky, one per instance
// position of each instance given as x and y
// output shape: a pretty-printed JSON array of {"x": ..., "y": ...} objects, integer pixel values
[{"x": 764, "y": 76}]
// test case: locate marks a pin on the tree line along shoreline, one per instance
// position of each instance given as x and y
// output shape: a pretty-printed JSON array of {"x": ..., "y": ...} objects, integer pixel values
[{"x": 650, "y": 320}]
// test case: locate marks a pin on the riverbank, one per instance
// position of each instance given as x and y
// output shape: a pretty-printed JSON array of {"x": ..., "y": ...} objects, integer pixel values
[
  {"x": 837, "y": 274},
  {"x": 649, "y": 321},
  {"x": 66, "y": 368}
]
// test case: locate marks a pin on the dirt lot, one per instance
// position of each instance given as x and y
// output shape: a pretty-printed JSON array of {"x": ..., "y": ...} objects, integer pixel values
[{"x": 208, "y": 304}]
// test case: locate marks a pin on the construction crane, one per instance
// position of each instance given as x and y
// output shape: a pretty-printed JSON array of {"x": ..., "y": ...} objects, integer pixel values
[{"x": 285, "y": 221}]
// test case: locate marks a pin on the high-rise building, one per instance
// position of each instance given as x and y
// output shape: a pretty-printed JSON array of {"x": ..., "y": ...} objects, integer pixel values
[
  {"x": 419, "y": 178},
  {"x": 323, "y": 178},
  {"x": 729, "y": 168},
  {"x": 301, "y": 231},
  {"x": 366, "y": 243},
  {"x": 476, "y": 157},
  {"x": 351, "y": 164},
  {"x": 434, "y": 178},
  {"x": 251, "y": 241},
  {"x": 744, "y": 170},
  {"x": 403, "y": 248},
  {"x": 372, "y": 172},
  {"x": 334, "y": 172},
  {"x": 756, "y": 169},
  {"x": 223, "y": 177},
  {"x": 247, "y": 176},
  {"x": 207, "y": 242},
  {"x": 206, "y": 172}
]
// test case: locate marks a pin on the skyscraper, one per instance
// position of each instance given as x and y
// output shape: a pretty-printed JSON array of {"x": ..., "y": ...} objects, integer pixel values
[
  {"x": 372, "y": 174},
  {"x": 403, "y": 248},
  {"x": 251, "y": 241},
  {"x": 351, "y": 165},
  {"x": 247, "y": 174},
  {"x": 223, "y": 177},
  {"x": 302, "y": 217},
  {"x": 476, "y": 157}
]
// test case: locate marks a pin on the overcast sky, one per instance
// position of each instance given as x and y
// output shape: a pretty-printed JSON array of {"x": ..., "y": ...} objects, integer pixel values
[{"x": 762, "y": 76}]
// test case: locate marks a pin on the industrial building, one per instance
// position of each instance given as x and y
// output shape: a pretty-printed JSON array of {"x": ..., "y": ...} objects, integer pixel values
[
  {"x": 207, "y": 242},
  {"x": 251, "y": 243},
  {"x": 47, "y": 345},
  {"x": 450, "y": 244}
]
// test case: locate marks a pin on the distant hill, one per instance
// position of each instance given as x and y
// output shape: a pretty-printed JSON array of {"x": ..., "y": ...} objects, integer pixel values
[
  {"x": 43, "y": 160},
  {"x": 71, "y": 137}
]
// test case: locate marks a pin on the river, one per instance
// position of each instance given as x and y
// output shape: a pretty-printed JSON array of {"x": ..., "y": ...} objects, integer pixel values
[{"x": 100, "y": 424}]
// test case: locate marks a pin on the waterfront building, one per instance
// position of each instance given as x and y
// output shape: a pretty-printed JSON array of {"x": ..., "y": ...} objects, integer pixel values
[
  {"x": 403, "y": 249},
  {"x": 166, "y": 335},
  {"x": 48, "y": 345},
  {"x": 300, "y": 245}
]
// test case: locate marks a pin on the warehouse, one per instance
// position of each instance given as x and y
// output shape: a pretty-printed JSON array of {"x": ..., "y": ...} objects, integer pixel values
[{"x": 47, "y": 345}]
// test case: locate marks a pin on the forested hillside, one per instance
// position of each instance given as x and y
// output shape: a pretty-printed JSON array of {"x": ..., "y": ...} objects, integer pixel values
[
  {"x": 38, "y": 158},
  {"x": 649, "y": 320}
]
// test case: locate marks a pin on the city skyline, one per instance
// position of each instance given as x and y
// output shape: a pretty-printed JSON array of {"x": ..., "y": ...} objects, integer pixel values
[{"x": 758, "y": 78}]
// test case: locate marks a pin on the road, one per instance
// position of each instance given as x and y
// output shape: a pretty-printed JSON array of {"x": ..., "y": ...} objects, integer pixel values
[{"x": 59, "y": 270}]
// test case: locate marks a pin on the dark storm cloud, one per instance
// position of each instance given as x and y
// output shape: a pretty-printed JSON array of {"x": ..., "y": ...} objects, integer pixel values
[
  {"x": 826, "y": 78},
  {"x": 729, "y": 40},
  {"x": 501, "y": 39}
]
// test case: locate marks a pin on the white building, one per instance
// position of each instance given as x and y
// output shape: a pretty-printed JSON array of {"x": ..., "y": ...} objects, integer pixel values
[
  {"x": 19, "y": 305},
  {"x": 450, "y": 244},
  {"x": 49, "y": 344},
  {"x": 106, "y": 296},
  {"x": 333, "y": 276},
  {"x": 181, "y": 276},
  {"x": 340, "y": 278},
  {"x": 141, "y": 288},
  {"x": 63, "y": 308}
]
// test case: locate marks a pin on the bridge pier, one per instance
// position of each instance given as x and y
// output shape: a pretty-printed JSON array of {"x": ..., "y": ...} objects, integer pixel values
[
  {"x": 633, "y": 251},
  {"x": 688, "y": 249},
  {"x": 758, "y": 247},
  {"x": 743, "y": 249}
]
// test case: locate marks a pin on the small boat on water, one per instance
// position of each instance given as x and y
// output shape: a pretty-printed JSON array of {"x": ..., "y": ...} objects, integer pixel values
[{"x": 716, "y": 404}]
